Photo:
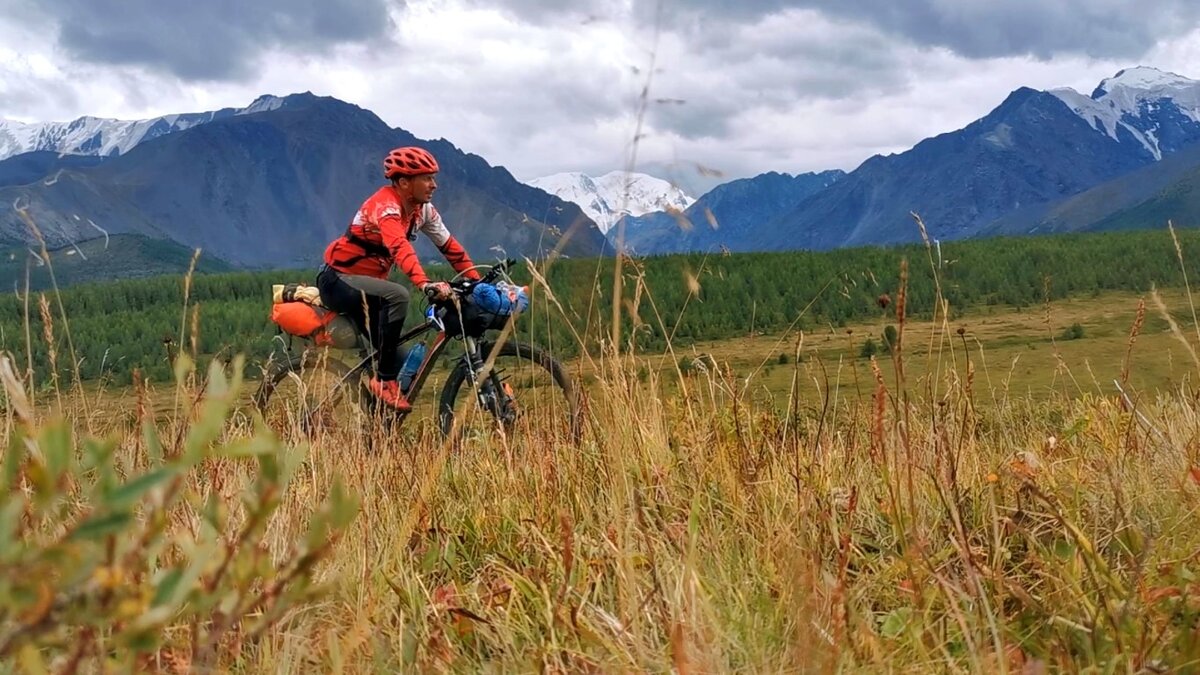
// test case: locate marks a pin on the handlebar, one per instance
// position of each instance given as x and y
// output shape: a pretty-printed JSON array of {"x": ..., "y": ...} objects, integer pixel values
[
  {"x": 465, "y": 286},
  {"x": 498, "y": 269}
]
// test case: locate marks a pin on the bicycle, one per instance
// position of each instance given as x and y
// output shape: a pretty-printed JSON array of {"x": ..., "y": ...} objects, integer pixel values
[{"x": 483, "y": 366}]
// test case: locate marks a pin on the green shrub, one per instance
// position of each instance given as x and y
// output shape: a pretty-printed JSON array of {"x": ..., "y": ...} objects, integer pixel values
[
  {"x": 112, "y": 554},
  {"x": 890, "y": 338},
  {"x": 869, "y": 349},
  {"x": 1075, "y": 332}
]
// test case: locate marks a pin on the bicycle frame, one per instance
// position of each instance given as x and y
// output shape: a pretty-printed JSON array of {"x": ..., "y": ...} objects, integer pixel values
[
  {"x": 435, "y": 351},
  {"x": 432, "y": 354}
]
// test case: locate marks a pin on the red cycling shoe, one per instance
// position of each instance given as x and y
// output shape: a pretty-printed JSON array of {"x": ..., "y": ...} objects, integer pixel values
[{"x": 388, "y": 391}]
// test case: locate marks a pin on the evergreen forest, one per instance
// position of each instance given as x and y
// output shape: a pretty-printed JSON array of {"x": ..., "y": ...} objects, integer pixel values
[{"x": 107, "y": 330}]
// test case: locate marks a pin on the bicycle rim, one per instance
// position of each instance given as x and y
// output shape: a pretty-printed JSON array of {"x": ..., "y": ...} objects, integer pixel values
[{"x": 539, "y": 400}]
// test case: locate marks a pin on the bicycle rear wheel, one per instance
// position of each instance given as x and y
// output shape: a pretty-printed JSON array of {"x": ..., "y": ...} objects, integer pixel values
[
  {"x": 310, "y": 392},
  {"x": 529, "y": 393}
]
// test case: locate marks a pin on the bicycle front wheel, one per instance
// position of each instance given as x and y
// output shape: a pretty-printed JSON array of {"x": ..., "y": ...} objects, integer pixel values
[{"x": 528, "y": 392}]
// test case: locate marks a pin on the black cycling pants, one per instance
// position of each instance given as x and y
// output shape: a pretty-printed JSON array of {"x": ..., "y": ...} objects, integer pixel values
[{"x": 386, "y": 305}]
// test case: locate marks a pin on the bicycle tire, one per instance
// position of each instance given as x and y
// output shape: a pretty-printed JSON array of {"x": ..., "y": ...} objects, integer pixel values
[
  {"x": 535, "y": 356},
  {"x": 331, "y": 371}
]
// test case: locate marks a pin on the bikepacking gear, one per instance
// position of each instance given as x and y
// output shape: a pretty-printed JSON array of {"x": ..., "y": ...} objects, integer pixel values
[
  {"x": 388, "y": 391},
  {"x": 312, "y": 322},
  {"x": 296, "y": 293},
  {"x": 409, "y": 161},
  {"x": 510, "y": 396},
  {"x": 411, "y": 363},
  {"x": 488, "y": 307},
  {"x": 501, "y": 298},
  {"x": 379, "y": 236},
  {"x": 336, "y": 383}
]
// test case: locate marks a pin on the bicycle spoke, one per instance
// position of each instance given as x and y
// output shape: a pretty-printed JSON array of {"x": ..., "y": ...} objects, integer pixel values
[{"x": 529, "y": 395}]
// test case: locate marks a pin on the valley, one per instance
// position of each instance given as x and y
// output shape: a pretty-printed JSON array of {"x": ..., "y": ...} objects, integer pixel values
[{"x": 935, "y": 410}]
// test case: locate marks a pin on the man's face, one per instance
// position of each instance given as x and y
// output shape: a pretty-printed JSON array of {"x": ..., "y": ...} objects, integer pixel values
[{"x": 421, "y": 188}]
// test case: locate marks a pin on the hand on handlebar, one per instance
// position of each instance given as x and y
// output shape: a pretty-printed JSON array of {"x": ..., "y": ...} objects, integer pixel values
[
  {"x": 441, "y": 291},
  {"x": 437, "y": 290}
]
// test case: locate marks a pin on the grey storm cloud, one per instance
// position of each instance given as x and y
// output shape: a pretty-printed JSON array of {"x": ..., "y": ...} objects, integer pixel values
[
  {"x": 206, "y": 39},
  {"x": 1041, "y": 28},
  {"x": 970, "y": 28},
  {"x": 772, "y": 53},
  {"x": 772, "y": 65}
]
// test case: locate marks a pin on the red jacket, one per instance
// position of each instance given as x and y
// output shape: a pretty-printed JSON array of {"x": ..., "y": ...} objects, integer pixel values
[{"x": 379, "y": 237}]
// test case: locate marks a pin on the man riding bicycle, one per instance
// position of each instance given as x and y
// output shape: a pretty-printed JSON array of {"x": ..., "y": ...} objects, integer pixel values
[{"x": 381, "y": 235}]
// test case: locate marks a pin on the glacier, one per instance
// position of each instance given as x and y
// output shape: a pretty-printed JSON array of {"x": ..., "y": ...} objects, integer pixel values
[{"x": 1139, "y": 102}]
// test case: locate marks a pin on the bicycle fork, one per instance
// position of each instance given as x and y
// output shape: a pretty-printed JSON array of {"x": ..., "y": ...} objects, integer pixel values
[{"x": 491, "y": 391}]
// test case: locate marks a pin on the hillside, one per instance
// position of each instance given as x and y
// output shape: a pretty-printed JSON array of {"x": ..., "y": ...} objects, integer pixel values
[
  {"x": 1031, "y": 149},
  {"x": 43, "y": 164},
  {"x": 1135, "y": 200},
  {"x": 997, "y": 175},
  {"x": 121, "y": 256},
  {"x": 1179, "y": 202}
]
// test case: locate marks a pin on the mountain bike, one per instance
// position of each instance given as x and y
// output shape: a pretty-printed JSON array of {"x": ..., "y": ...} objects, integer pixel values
[{"x": 513, "y": 384}]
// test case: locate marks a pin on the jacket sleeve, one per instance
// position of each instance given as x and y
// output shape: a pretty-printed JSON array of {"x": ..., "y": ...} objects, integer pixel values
[
  {"x": 457, "y": 256},
  {"x": 433, "y": 227},
  {"x": 392, "y": 230}
]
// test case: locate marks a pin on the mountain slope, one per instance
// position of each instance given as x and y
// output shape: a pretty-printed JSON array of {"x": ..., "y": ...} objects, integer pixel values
[
  {"x": 34, "y": 166},
  {"x": 608, "y": 198},
  {"x": 1098, "y": 205},
  {"x": 272, "y": 188},
  {"x": 727, "y": 216},
  {"x": 1178, "y": 202},
  {"x": 1033, "y": 150}
]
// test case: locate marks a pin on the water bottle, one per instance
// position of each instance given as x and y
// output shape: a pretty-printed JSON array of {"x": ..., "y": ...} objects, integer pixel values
[{"x": 411, "y": 363}]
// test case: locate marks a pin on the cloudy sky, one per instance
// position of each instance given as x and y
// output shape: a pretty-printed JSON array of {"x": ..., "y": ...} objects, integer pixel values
[{"x": 541, "y": 86}]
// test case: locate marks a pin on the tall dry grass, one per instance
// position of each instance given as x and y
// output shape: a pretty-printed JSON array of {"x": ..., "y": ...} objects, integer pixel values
[{"x": 699, "y": 528}]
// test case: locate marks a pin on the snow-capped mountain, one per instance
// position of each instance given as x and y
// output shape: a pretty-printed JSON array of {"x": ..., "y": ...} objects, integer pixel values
[
  {"x": 1000, "y": 173},
  {"x": 606, "y": 199},
  {"x": 1158, "y": 110},
  {"x": 105, "y": 137},
  {"x": 231, "y": 188}
]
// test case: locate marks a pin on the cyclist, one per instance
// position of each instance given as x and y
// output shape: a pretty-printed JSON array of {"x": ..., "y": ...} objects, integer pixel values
[{"x": 381, "y": 235}]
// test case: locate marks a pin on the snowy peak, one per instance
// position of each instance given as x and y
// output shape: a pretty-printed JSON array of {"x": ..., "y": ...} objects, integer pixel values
[
  {"x": 102, "y": 136},
  {"x": 263, "y": 104},
  {"x": 1142, "y": 78},
  {"x": 1156, "y": 109},
  {"x": 608, "y": 198}
]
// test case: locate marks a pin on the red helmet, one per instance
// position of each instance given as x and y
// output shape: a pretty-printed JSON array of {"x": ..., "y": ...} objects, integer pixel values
[{"x": 410, "y": 161}]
